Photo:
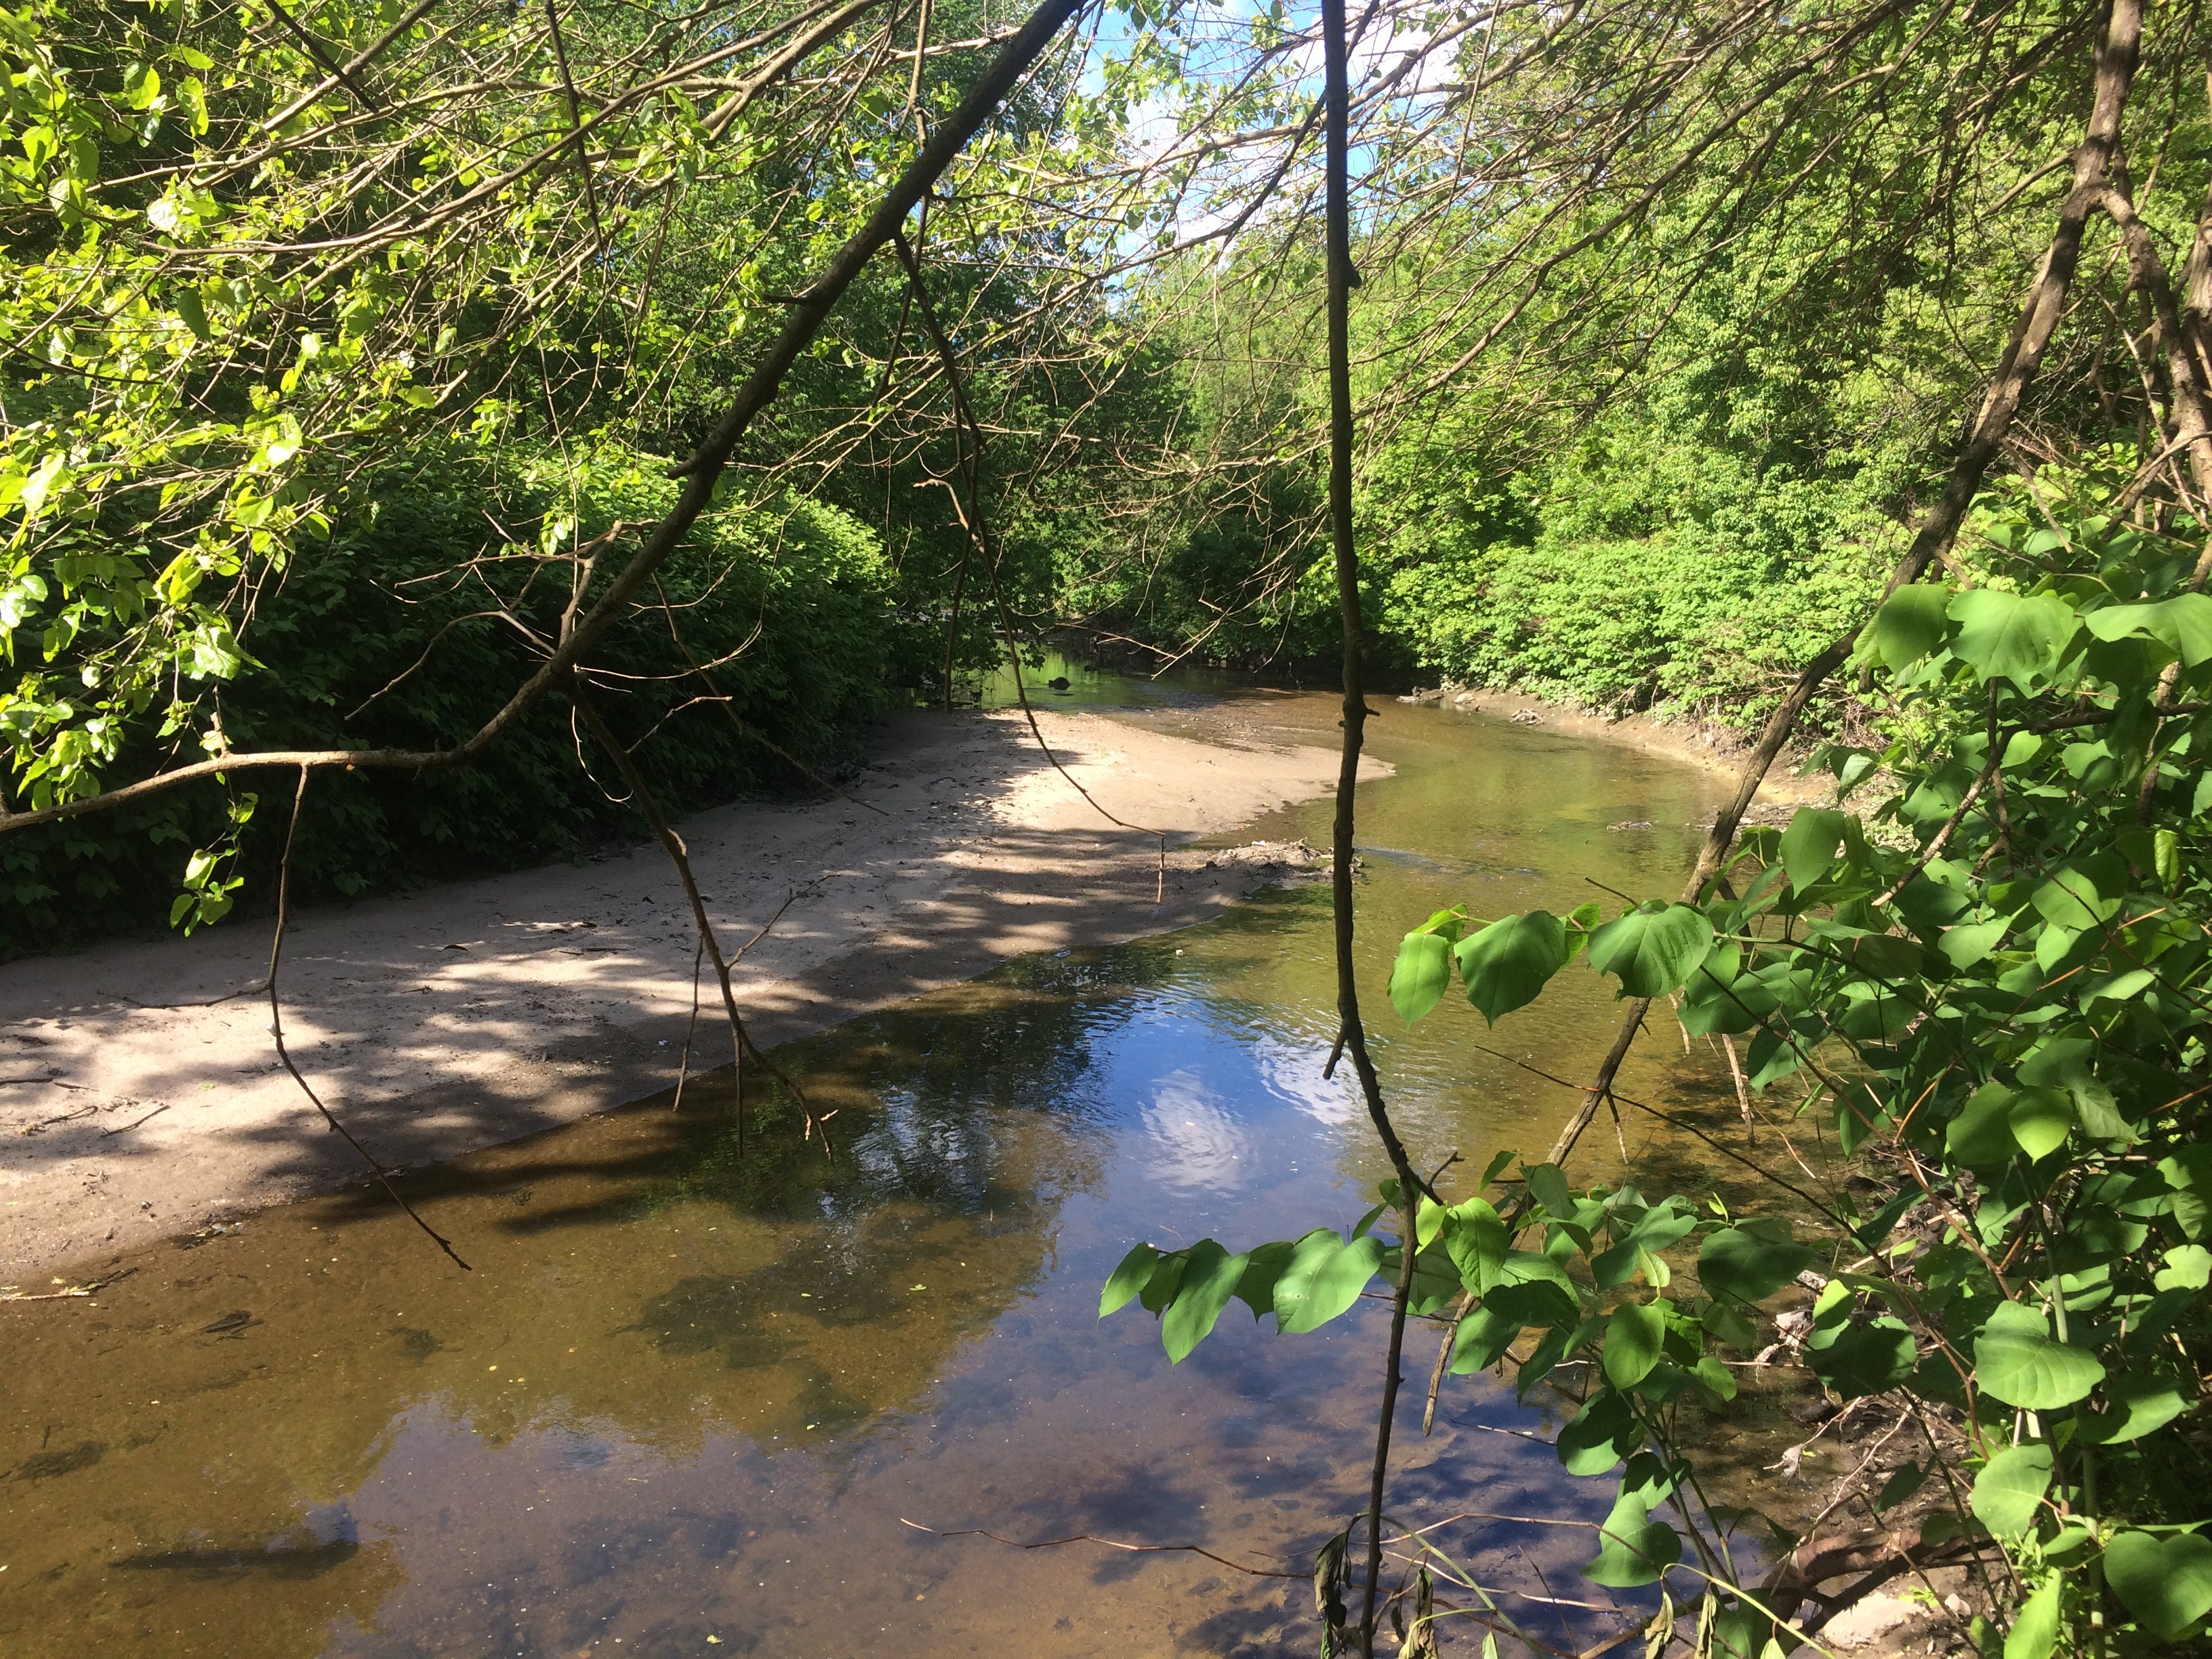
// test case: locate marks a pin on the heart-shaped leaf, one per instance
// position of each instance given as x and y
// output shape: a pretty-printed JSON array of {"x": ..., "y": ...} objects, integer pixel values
[
  {"x": 1981, "y": 1135},
  {"x": 1508, "y": 962},
  {"x": 2137, "y": 1406},
  {"x": 1634, "y": 1336},
  {"x": 1324, "y": 1276},
  {"x": 2010, "y": 635},
  {"x": 1862, "y": 1359},
  {"x": 1635, "y": 1549},
  {"x": 2188, "y": 1268},
  {"x": 1604, "y": 1434},
  {"x": 1126, "y": 1280},
  {"x": 2016, "y": 1362},
  {"x": 2008, "y": 1492},
  {"x": 1911, "y": 623},
  {"x": 1531, "y": 1288},
  {"x": 1547, "y": 1185},
  {"x": 2077, "y": 897},
  {"x": 1741, "y": 1266},
  {"x": 1653, "y": 949},
  {"x": 2183, "y": 624},
  {"x": 1475, "y": 1239},
  {"x": 1209, "y": 1280},
  {"x": 1421, "y": 974},
  {"x": 1809, "y": 845},
  {"x": 2166, "y": 1582},
  {"x": 1964, "y": 946},
  {"x": 1481, "y": 1340},
  {"x": 2041, "y": 1120}
]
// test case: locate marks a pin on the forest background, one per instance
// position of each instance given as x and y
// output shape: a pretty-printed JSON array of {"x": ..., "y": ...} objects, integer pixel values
[
  {"x": 509, "y": 418},
  {"x": 326, "y": 387}
]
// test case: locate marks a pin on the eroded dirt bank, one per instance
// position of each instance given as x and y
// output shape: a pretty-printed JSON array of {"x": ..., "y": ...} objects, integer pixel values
[{"x": 455, "y": 1018}]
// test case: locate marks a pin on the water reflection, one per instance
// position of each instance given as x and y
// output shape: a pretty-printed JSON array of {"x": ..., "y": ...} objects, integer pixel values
[{"x": 690, "y": 1395}]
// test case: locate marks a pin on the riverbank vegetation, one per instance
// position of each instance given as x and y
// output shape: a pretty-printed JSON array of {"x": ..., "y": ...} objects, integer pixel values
[{"x": 477, "y": 425}]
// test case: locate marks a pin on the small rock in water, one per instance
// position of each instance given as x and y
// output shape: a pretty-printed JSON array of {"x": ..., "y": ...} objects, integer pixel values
[{"x": 1058, "y": 681}]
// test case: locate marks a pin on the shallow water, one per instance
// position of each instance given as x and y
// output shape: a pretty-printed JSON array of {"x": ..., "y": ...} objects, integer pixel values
[
  {"x": 691, "y": 1402},
  {"x": 1094, "y": 685}
]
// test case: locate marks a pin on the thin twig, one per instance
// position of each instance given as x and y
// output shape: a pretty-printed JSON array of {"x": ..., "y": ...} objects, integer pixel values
[
  {"x": 126, "y": 1129},
  {"x": 1106, "y": 1543},
  {"x": 683, "y": 1061},
  {"x": 284, "y": 1053}
]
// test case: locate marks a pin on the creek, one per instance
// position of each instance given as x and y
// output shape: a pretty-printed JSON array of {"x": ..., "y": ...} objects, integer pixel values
[{"x": 691, "y": 1402}]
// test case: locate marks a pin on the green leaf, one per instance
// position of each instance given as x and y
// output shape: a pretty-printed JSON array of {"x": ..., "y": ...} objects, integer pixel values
[
  {"x": 1911, "y": 623},
  {"x": 1809, "y": 846},
  {"x": 2034, "y": 1633},
  {"x": 2188, "y": 1268},
  {"x": 2016, "y": 1362},
  {"x": 2008, "y": 1492},
  {"x": 1507, "y": 963},
  {"x": 1126, "y": 1280},
  {"x": 1856, "y": 1360},
  {"x": 2166, "y": 858},
  {"x": 1548, "y": 1187},
  {"x": 1660, "y": 1227},
  {"x": 1634, "y": 1335},
  {"x": 1167, "y": 1274},
  {"x": 2041, "y": 1120},
  {"x": 1263, "y": 1266},
  {"x": 1604, "y": 1434},
  {"x": 1981, "y": 1135},
  {"x": 2136, "y": 1405},
  {"x": 1209, "y": 1280},
  {"x": 1324, "y": 1277},
  {"x": 1653, "y": 949},
  {"x": 1964, "y": 946},
  {"x": 1533, "y": 1289},
  {"x": 187, "y": 305},
  {"x": 2166, "y": 1582},
  {"x": 2183, "y": 624},
  {"x": 2071, "y": 899},
  {"x": 1421, "y": 974},
  {"x": 1715, "y": 1378},
  {"x": 1482, "y": 1340},
  {"x": 1742, "y": 1633},
  {"x": 2009, "y": 636},
  {"x": 1634, "y": 1548},
  {"x": 1740, "y": 1267},
  {"x": 1476, "y": 1241}
]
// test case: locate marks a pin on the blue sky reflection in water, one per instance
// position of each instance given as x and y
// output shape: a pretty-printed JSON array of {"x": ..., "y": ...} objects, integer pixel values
[{"x": 687, "y": 1396}]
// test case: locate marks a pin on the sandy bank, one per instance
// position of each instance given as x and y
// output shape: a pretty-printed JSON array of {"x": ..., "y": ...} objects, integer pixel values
[{"x": 447, "y": 1020}]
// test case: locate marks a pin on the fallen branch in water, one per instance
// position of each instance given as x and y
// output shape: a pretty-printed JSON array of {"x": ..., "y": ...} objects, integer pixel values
[
  {"x": 10, "y": 1293},
  {"x": 1106, "y": 1543}
]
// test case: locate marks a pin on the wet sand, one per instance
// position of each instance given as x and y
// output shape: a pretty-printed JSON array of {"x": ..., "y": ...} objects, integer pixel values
[{"x": 444, "y": 1021}]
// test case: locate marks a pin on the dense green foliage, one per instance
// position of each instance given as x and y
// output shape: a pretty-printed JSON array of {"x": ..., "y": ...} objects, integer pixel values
[
  {"x": 347, "y": 355},
  {"x": 790, "y": 606},
  {"x": 2005, "y": 991},
  {"x": 1623, "y": 579}
]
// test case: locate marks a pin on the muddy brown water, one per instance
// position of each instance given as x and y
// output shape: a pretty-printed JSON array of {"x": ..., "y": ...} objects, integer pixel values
[{"x": 691, "y": 1402}]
